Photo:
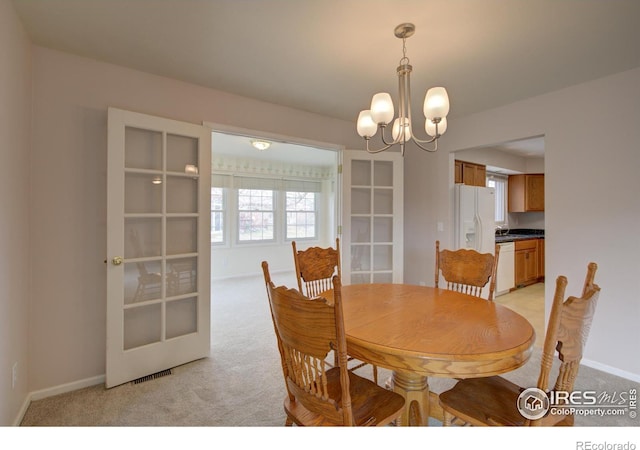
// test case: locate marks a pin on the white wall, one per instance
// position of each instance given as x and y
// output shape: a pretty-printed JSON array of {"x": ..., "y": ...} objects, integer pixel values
[
  {"x": 15, "y": 113},
  {"x": 591, "y": 194},
  {"x": 68, "y": 169}
]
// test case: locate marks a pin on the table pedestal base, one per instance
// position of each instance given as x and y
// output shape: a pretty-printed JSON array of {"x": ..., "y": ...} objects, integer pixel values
[{"x": 415, "y": 390}]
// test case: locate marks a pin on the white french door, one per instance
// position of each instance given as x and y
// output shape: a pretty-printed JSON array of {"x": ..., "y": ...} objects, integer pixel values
[
  {"x": 158, "y": 249},
  {"x": 373, "y": 217}
]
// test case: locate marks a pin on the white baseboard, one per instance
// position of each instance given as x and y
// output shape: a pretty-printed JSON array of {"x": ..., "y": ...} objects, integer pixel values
[
  {"x": 251, "y": 274},
  {"x": 64, "y": 388},
  {"x": 611, "y": 370},
  {"x": 22, "y": 412},
  {"x": 56, "y": 390}
]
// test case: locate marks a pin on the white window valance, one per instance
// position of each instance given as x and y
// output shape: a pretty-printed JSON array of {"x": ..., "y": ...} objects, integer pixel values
[{"x": 273, "y": 184}]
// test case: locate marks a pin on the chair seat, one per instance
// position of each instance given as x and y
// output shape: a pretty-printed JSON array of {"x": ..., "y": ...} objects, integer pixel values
[
  {"x": 484, "y": 401},
  {"x": 372, "y": 405},
  {"x": 491, "y": 401}
]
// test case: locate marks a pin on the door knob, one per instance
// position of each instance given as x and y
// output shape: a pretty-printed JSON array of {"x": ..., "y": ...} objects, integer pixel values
[{"x": 117, "y": 260}]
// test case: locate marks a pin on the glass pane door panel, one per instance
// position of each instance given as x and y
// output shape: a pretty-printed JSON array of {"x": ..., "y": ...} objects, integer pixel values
[
  {"x": 182, "y": 151},
  {"x": 383, "y": 173},
  {"x": 360, "y": 201},
  {"x": 142, "y": 193},
  {"x": 182, "y": 276},
  {"x": 360, "y": 229},
  {"x": 360, "y": 173},
  {"x": 142, "y": 281},
  {"x": 373, "y": 217},
  {"x": 383, "y": 257},
  {"x": 383, "y": 201},
  {"x": 383, "y": 277},
  {"x": 360, "y": 278},
  {"x": 360, "y": 257},
  {"x": 143, "y": 237},
  {"x": 182, "y": 235},
  {"x": 142, "y": 326},
  {"x": 182, "y": 317},
  {"x": 143, "y": 149},
  {"x": 383, "y": 229},
  {"x": 182, "y": 195}
]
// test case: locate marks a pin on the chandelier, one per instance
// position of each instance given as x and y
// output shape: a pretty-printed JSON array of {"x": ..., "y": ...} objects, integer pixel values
[{"x": 436, "y": 108}]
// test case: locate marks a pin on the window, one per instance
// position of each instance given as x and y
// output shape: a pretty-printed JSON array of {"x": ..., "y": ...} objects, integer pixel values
[
  {"x": 217, "y": 215},
  {"x": 255, "y": 215},
  {"x": 301, "y": 215},
  {"x": 248, "y": 209},
  {"x": 220, "y": 185},
  {"x": 499, "y": 183}
]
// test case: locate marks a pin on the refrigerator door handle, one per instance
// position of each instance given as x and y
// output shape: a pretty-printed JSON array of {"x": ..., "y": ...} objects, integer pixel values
[{"x": 479, "y": 233}]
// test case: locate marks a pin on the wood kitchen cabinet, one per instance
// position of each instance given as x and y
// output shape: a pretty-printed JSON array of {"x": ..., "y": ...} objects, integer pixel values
[
  {"x": 540, "y": 259},
  {"x": 526, "y": 192},
  {"x": 526, "y": 262},
  {"x": 470, "y": 173},
  {"x": 457, "y": 172}
]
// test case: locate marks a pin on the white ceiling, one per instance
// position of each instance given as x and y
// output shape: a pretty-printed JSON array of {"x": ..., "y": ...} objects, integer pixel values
[
  {"x": 240, "y": 147},
  {"x": 330, "y": 56}
]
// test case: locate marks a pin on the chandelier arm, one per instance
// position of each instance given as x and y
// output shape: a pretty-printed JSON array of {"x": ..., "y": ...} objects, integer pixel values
[
  {"x": 384, "y": 140},
  {"x": 434, "y": 140},
  {"x": 426, "y": 141},
  {"x": 377, "y": 150}
]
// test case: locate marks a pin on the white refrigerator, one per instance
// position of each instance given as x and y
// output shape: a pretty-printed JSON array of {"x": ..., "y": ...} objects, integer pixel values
[{"x": 474, "y": 218}]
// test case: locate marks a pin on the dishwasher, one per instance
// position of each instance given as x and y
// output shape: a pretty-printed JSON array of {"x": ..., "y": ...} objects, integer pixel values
[{"x": 505, "y": 274}]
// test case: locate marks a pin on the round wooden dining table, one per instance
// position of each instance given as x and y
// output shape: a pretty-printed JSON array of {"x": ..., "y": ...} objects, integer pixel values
[{"x": 419, "y": 331}]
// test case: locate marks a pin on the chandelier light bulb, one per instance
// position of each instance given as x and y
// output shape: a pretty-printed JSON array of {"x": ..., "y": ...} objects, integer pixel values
[
  {"x": 430, "y": 126},
  {"x": 436, "y": 103},
  {"x": 382, "y": 111},
  {"x": 397, "y": 132},
  {"x": 366, "y": 126}
]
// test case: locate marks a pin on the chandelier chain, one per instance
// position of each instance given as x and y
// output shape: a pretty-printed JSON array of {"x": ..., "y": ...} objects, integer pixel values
[{"x": 404, "y": 59}]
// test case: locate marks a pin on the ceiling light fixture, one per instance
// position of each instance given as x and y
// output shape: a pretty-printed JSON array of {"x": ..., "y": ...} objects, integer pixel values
[
  {"x": 260, "y": 145},
  {"x": 436, "y": 108}
]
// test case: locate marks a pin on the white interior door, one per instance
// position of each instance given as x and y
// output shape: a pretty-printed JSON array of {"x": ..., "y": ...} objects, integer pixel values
[
  {"x": 158, "y": 249},
  {"x": 372, "y": 220}
]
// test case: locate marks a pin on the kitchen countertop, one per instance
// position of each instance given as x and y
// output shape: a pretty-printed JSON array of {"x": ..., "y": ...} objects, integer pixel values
[{"x": 519, "y": 235}]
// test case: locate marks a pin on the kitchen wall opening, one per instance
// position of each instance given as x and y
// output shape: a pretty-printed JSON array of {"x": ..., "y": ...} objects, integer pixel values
[{"x": 514, "y": 171}]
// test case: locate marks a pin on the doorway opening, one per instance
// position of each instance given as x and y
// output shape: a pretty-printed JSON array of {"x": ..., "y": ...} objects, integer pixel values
[
  {"x": 496, "y": 163},
  {"x": 262, "y": 200}
]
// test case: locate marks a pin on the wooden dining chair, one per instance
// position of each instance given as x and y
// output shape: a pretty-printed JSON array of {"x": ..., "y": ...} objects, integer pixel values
[
  {"x": 467, "y": 271},
  {"x": 149, "y": 283},
  {"x": 494, "y": 400},
  {"x": 307, "y": 329},
  {"x": 315, "y": 268}
]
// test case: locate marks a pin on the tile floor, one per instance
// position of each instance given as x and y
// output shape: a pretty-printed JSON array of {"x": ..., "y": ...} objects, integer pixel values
[{"x": 528, "y": 302}]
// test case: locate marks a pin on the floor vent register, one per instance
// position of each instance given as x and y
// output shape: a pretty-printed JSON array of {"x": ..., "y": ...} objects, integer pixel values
[{"x": 153, "y": 376}]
